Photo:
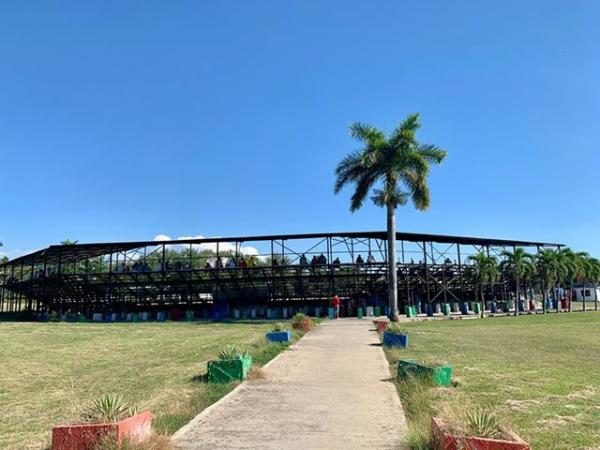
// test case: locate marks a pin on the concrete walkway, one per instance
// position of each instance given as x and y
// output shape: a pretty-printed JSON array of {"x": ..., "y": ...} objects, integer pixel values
[{"x": 330, "y": 390}]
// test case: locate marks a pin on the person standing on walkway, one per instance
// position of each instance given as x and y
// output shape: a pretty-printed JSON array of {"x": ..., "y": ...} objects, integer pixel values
[{"x": 335, "y": 302}]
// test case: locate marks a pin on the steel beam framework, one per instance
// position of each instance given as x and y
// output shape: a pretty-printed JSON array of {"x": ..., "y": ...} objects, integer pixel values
[{"x": 300, "y": 269}]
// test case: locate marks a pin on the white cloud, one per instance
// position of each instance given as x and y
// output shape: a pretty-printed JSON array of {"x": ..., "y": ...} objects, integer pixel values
[{"x": 212, "y": 246}]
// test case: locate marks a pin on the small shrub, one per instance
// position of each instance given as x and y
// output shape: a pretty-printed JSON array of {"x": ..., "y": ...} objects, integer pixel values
[
  {"x": 54, "y": 317},
  {"x": 278, "y": 327},
  {"x": 483, "y": 424},
  {"x": 232, "y": 352},
  {"x": 301, "y": 321},
  {"x": 110, "y": 408},
  {"x": 395, "y": 328}
]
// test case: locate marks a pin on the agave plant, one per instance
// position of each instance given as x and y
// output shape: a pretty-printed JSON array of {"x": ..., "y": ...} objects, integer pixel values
[
  {"x": 395, "y": 328},
  {"x": 278, "y": 327},
  {"x": 110, "y": 408},
  {"x": 232, "y": 352},
  {"x": 483, "y": 424}
]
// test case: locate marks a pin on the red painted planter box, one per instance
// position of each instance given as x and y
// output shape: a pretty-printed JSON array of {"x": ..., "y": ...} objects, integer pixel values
[
  {"x": 444, "y": 440},
  {"x": 381, "y": 325},
  {"x": 83, "y": 437}
]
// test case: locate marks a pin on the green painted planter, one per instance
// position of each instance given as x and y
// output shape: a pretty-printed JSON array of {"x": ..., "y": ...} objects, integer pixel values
[
  {"x": 505, "y": 307},
  {"x": 189, "y": 316},
  {"x": 441, "y": 375},
  {"x": 227, "y": 370},
  {"x": 446, "y": 309},
  {"x": 377, "y": 311},
  {"x": 360, "y": 313},
  {"x": 477, "y": 308},
  {"x": 411, "y": 311}
]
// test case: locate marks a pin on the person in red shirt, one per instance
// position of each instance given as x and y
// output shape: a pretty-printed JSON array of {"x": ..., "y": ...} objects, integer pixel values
[{"x": 335, "y": 302}]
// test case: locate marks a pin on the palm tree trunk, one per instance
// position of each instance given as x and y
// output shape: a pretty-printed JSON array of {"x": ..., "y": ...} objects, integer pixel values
[
  {"x": 570, "y": 300},
  {"x": 543, "y": 285},
  {"x": 482, "y": 301},
  {"x": 518, "y": 293},
  {"x": 392, "y": 270}
]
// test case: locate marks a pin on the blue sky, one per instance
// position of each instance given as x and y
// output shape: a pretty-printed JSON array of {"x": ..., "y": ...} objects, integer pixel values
[{"x": 125, "y": 120}]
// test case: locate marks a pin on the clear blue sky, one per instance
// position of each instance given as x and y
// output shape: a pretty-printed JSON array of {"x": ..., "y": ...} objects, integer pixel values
[{"x": 124, "y": 120}]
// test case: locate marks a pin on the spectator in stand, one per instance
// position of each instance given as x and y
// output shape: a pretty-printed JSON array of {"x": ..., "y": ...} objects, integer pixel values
[
  {"x": 359, "y": 260},
  {"x": 303, "y": 261},
  {"x": 251, "y": 262},
  {"x": 274, "y": 262},
  {"x": 232, "y": 264},
  {"x": 322, "y": 260},
  {"x": 219, "y": 263},
  {"x": 336, "y": 263},
  {"x": 335, "y": 302},
  {"x": 370, "y": 258},
  {"x": 207, "y": 266},
  {"x": 314, "y": 261},
  {"x": 242, "y": 262}
]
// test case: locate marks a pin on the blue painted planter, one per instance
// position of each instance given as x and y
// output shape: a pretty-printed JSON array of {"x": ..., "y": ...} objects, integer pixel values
[
  {"x": 279, "y": 336},
  {"x": 429, "y": 310},
  {"x": 493, "y": 308},
  {"x": 554, "y": 304},
  {"x": 395, "y": 340},
  {"x": 423, "y": 308},
  {"x": 464, "y": 309},
  {"x": 521, "y": 306}
]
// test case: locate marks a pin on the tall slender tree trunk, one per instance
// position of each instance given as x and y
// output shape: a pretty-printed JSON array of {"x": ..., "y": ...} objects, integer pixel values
[
  {"x": 392, "y": 270},
  {"x": 482, "y": 301},
  {"x": 518, "y": 292},
  {"x": 543, "y": 285},
  {"x": 570, "y": 300}
]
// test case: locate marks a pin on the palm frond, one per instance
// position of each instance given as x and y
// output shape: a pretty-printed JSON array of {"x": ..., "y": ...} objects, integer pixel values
[
  {"x": 366, "y": 133},
  {"x": 363, "y": 185},
  {"x": 417, "y": 186},
  {"x": 348, "y": 170},
  {"x": 383, "y": 198},
  {"x": 431, "y": 153}
]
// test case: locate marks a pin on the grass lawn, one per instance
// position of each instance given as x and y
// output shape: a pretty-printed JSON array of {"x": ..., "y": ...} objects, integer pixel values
[
  {"x": 539, "y": 373},
  {"x": 49, "y": 372}
]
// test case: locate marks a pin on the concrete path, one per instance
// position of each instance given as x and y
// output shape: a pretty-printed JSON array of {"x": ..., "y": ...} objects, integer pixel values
[{"x": 330, "y": 390}]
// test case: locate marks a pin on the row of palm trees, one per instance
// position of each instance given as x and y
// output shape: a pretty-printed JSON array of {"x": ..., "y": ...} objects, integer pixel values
[{"x": 552, "y": 268}]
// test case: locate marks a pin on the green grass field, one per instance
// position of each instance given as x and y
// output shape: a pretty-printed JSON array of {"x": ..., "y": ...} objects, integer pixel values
[
  {"x": 539, "y": 373},
  {"x": 49, "y": 372}
]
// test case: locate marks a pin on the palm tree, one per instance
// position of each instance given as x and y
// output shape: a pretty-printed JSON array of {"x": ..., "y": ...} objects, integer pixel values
[
  {"x": 484, "y": 269},
  {"x": 3, "y": 258},
  {"x": 572, "y": 263},
  {"x": 518, "y": 265},
  {"x": 590, "y": 271},
  {"x": 401, "y": 164},
  {"x": 551, "y": 268},
  {"x": 581, "y": 267}
]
